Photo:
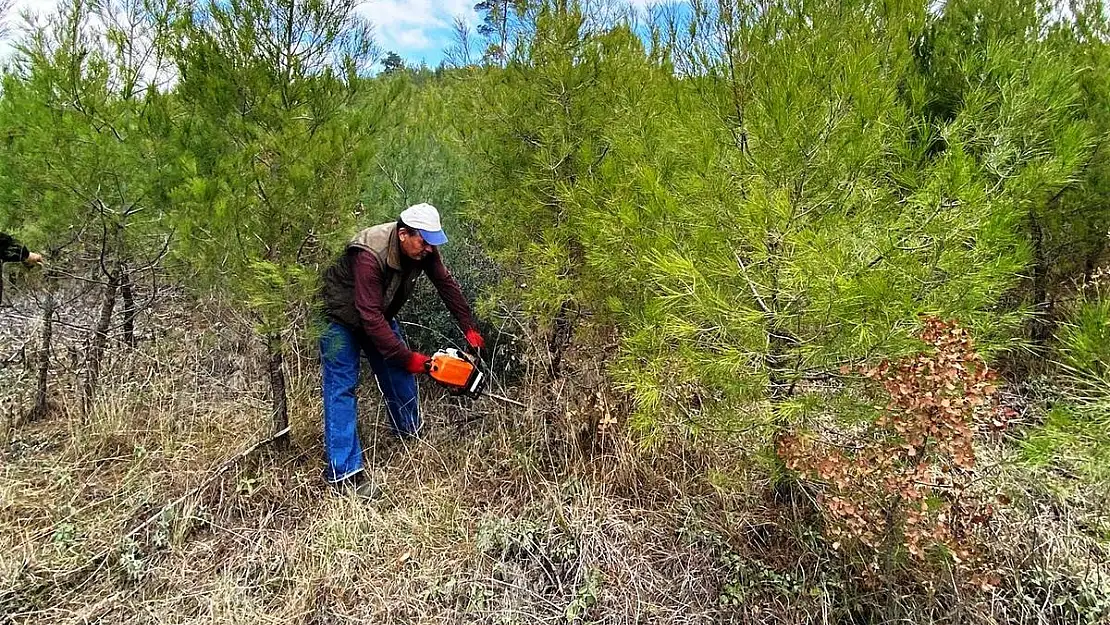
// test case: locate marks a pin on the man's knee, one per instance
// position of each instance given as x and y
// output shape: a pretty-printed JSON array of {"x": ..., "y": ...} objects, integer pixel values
[{"x": 404, "y": 410}]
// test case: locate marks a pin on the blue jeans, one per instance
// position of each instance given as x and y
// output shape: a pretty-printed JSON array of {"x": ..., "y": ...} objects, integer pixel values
[{"x": 340, "y": 349}]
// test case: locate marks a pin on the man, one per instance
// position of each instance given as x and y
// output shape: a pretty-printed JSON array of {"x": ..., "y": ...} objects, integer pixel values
[
  {"x": 362, "y": 293},
  {"x": 11, "y": 251}
]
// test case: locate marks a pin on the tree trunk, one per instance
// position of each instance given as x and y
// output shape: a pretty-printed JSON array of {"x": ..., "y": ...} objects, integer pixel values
[
  {"x": 780, "y": 343},
  {"x": 561, "y": 334},
  {"x": 1041, "y": 325},
  {"x": 98, "y": 343},
  {"x": 1091, "y": 262},
  {"x": 48, "y": 308},
  {"x": 277, "y": 389},
  {"x": 504, "y": 34},
  {"x": 129, "y": 311}
]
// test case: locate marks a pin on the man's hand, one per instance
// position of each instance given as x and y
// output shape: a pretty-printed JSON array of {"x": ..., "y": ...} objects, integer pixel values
[
  {"x": 33, "y": 259},
  {"x": 474, "y": 339},
  {"x": 418, "y": 363}
]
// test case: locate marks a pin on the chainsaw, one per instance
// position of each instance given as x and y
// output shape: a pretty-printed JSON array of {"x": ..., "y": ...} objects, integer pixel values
[{"x": 458, "y": 372}]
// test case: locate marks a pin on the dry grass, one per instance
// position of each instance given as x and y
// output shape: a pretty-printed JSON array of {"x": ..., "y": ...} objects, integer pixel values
[
  {"x": 498, "y": 515},
  {"x": 483, "y": 520},
  {"x": 469, "y": 529}
]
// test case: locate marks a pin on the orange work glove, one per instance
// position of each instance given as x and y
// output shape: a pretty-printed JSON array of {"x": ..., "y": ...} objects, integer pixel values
[
  {"x": 476, "y": 341},
  {"x": 418, "y": 363}
]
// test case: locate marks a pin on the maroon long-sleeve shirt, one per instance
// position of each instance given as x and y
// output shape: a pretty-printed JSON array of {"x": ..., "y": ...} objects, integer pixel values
[{"x": 369, "y": 295}]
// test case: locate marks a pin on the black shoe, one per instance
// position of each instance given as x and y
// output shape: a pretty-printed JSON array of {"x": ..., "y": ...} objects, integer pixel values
[{"x": 362, "y": 487}]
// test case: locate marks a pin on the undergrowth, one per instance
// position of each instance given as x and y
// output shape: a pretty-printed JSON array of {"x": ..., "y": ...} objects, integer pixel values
[{"x": 548, "y": 513}]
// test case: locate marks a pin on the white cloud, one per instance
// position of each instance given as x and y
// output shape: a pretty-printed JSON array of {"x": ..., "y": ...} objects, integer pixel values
[
  {"x": 35, "y": 6},
  {"x": 414, "y": 26},
  {"x": 410, "y": 38},
  {"x": 14, "y": 24}
]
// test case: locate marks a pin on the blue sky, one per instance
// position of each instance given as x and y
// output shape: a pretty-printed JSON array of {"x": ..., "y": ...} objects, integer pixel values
[{"x": 418, "y": 30}]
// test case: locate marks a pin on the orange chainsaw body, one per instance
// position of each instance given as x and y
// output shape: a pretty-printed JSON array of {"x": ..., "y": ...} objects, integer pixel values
[{"x": 457, "y": 373}]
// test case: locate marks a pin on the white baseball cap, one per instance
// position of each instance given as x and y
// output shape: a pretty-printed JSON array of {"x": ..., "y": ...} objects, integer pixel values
[{"x": 425, "y": 218}]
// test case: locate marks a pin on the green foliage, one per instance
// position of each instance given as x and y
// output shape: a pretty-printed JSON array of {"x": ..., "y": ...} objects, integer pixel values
[
  {"x": 1085, "y": 339},
  {"x": 1071, "y": 438},
  {"x": 84, "y": 139},
  {"x": 585, "y": 598},
  {"x": 816, "y": 177},
  {"x": 392, "y": 63},
  {"x": 749, "y": 200},
  {"x": 1066, "y": 597},
  {"x": 275, "y": 142},
  {"x": 731, "y": 207},
  {"x": 1076, "y": 433}
]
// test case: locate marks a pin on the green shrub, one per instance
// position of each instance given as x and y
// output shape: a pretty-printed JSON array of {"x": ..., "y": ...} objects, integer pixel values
[
  {"x": 1084, "y": 341},
  {"x": 773, "y": 197}
]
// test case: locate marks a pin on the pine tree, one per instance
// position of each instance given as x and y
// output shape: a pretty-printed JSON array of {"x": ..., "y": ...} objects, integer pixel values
[
  {"x": 81, "y": 111},
  {"x": 277, "y": 136},
  {"x": 392, "y": 64},
  {"x": 964, "y": 51},
  {"x": 789, "y": 204},
  {"x": 500, "y": 26},
  {"x": 459, "y": 53}
]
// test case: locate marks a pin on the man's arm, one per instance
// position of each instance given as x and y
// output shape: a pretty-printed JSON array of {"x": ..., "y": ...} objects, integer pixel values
[
  {"x": 368, "y": 301},
  {"x": 450, "y": 292},
  {"x": 11, "y": 251}
]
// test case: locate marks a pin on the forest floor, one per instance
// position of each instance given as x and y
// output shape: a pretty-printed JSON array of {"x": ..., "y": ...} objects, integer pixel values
[{"x": 497, "y": 515}]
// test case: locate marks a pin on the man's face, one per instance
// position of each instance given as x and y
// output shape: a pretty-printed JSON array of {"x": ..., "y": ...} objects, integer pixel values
[{"x": 413, "y": 245}]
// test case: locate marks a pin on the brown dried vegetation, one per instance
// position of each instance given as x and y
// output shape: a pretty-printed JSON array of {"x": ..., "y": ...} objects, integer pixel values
[{"x": 908, "y": 481}]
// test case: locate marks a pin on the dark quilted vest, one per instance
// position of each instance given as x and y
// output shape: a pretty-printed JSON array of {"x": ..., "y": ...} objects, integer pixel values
[{"x": 338, "y": 290}]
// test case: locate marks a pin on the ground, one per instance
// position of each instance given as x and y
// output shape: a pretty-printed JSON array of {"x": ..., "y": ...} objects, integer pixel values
[{"x": 148, "y": 510}]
